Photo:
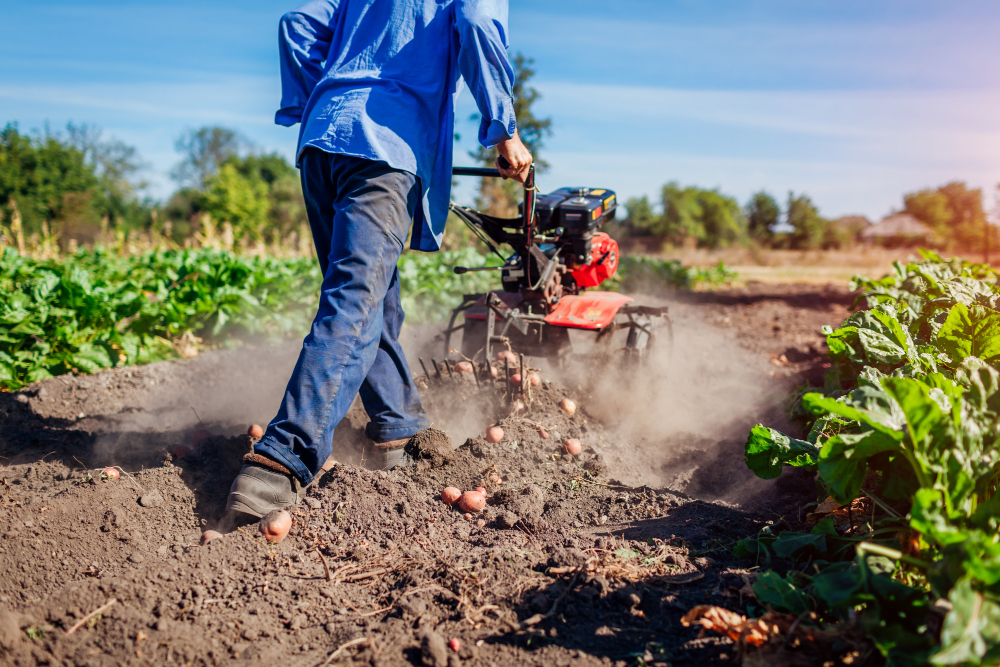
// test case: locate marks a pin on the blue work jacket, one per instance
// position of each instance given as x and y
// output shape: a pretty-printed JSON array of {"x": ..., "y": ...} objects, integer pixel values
[{"x": 378, "y": 79}]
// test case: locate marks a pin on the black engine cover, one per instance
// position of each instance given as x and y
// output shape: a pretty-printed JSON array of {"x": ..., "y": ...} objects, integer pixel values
[{"x": 579, "y": 212}]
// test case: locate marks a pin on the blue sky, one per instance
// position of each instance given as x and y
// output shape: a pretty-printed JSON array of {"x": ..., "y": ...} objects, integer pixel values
[{"x": 852, "y": 102}]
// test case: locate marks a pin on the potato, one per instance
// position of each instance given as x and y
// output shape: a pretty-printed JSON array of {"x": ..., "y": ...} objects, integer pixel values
[
  {"x": 515, "y": 379},
  {"x": 481, "y": 523},
  {"x": 210, "y": 535},
  {"x": 534, "y": 379},
  {"x": 472, "y": 501},
  {"x": 494, "y": 434},
  {"x": 506, "y": 355},
  {"x": 495, "y": 478},
  {"x": 464, "y": 367},
  {"x": 568, "y": 405},
  {"x": 573, "y": 447},
  {"x": 481, "y": 490},
  {"x": 255, "y": 432},
  {"x": 110, "y": 473},
  {"x": 275, "y": 526},
  {"x": 455, "y": 645},
  {"x": 493, "y": 370},
  {"x": 451, "y": 495},
  {"x": 545, "y": 434}
]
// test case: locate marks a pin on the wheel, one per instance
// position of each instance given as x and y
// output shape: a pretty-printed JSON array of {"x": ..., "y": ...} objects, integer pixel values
[{"x": 637, "y": 335}]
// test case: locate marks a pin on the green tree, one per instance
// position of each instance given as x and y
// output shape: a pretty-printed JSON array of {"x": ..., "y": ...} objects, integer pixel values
[
  {"x": 203, "y": 152},
  {"x": 287, "y": 207},
  {"x": 640, "y": 219},
  {"x": 762, "y": 214},
  {"x": 809, "y": 228},
  {"x": 681, "y": 221},
  {"x": 498, "y": 196},
  {"x": 953, "y": 211},
  {"x": 722, "y": 220},
  {"x": 50, "y": 180},
  {"x": 240, "y": 199}
]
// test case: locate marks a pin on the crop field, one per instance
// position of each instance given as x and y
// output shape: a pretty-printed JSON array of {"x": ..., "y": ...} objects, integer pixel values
[{"x": 808, "y": 478}]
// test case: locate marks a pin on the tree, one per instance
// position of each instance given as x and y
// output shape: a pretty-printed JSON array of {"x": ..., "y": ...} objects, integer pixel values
[
  {"x": 721, "y": 218},
  {"x": 762, "y": 214},
  {"x": 259, "y": 195},
  {"x": 682, "y": 215},
  {"x": 203, "y": 152},
  {"x": 497, "y": 196},
  {"x": 640, "y": 219},
  {"x": 691, "y": 215},
  {"x": 809, "y": 227},
  {"x": 953, "y": 211},
  {"x": 49, "y": 179},
  {"x": 231, "y": 196},
  {"x": 286, "y": 206}
]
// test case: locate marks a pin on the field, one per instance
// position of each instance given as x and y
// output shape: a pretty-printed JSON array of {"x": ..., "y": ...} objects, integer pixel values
[{"x": 620, "y": 556}]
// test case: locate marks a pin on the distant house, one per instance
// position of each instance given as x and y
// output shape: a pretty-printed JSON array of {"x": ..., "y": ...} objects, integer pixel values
[
  {"x": 898, "y": 229},
  {"x": 852, "y": 225}
]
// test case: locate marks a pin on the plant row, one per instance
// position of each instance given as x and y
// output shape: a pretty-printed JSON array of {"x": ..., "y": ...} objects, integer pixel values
[
  {"x": 905, "y": 442},
  {"x": 96, "y": 309}
]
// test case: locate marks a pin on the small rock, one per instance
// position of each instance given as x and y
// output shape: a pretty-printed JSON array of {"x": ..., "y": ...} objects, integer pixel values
[
  {"x": 433, "y": 650},
  {"x": 297, "y": 622},
  {"x": 330, "y": 628},
  {"x": 703, "y": 563},
  {"x": 137, "y": 558},
  {"x": 151, "y": 498},
  {"x": 313, "y": 503},
  {"x": 21, "y": 398},
  {"x": 251, "y": 634}
]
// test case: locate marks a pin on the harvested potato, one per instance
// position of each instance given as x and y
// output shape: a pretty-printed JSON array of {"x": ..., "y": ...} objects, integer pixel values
[
  {"x": 451, "y": 495},
  {"x": 494, "y": 434},
  {"x": 573, "y": 447},
  {"x": 472, "y": 501},
  {"x": 275, "y": 526}
]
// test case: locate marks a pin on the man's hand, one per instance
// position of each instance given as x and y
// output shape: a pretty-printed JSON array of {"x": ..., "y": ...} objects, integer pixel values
[{"x": 518, "y": 157}]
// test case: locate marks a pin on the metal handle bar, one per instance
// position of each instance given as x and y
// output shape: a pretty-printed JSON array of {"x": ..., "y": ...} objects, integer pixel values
[
  {"x": 475, "y": 171},
  {"x": 480, "y": 171}
]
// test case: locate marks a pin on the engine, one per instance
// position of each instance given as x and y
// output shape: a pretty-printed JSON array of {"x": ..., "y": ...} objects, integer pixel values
[{"x": 566, "y": 230}]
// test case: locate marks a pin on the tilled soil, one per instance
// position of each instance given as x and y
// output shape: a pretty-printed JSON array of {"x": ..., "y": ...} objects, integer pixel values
[{"x": 589, "y": 560}]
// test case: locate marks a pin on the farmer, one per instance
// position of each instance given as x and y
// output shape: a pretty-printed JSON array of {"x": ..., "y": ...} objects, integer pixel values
[{"x": 373, "y": 84}]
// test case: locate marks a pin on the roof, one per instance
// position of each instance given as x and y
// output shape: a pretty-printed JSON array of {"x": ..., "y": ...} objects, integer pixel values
[
  {"x": 852, "y": 223},
  {"x": 897, "y": 225}
]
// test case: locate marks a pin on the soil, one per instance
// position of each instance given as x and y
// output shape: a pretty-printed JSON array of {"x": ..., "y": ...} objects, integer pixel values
[{"x": 585, "y": 560}]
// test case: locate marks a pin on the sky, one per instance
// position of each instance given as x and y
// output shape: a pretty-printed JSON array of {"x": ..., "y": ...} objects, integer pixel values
[{"x": 853, "y": 103}]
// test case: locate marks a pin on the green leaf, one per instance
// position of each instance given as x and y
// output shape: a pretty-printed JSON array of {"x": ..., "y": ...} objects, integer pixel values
[
  {"x": 843, "y": 461},
  {"x": 971, "y": 628},
  {"x": 778, "y": 594},
  {"x": 963, "y": 336},
  {"x": 789, "y": 544},
  {"x": 767, "y": 450}
]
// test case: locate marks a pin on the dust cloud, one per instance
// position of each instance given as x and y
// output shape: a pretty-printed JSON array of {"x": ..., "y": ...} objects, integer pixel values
[{"x": 682, "y": 420}]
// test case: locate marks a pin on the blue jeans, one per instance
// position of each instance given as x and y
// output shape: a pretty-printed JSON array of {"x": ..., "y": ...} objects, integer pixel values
[{"x": 359, "y": 211}]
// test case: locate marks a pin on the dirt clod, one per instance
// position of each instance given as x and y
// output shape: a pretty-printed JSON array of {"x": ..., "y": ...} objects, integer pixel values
[
  {"x": 152, "y": 498},
  {"x": 431, "y": 445},
  {"x": 433, "y": 649}
]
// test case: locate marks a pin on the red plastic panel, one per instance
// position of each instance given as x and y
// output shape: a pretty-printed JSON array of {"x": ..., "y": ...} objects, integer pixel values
[
  {"x": 591, "y": 310},
  {"x": 603, "y": 262}
]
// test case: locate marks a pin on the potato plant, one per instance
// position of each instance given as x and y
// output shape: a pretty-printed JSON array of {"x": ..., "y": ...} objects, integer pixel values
[{"x": 906, "y": 436}]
